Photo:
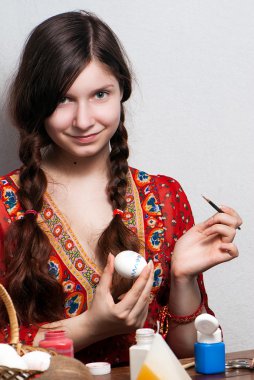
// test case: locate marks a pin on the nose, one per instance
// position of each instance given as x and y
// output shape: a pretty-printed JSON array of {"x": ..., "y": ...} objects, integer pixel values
[{"x": 83, "y": 118}]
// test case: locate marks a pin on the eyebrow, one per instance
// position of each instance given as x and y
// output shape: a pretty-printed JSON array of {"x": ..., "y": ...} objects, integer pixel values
[
  {"x": 101, "y": 88},
  {"x": 105, "y": 86}
]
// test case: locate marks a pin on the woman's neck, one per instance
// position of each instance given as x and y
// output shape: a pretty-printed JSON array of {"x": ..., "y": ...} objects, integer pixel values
[{"x": 62, "y": 167}]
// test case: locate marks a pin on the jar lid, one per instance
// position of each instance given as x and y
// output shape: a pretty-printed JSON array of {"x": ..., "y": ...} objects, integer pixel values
[
  {"x": 144, "y": 331},
  {"x": 206, "y": 323},
  {"x": 99, "y": 368},
  {"x": 216, "y": 337}
]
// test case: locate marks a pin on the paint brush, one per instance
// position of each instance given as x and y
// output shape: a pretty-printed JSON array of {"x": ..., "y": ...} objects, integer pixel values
[{"x": 215, "y": 206}]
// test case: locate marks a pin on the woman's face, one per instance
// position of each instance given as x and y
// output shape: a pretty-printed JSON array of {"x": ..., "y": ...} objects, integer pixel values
[{"x": 88, "y": 115}]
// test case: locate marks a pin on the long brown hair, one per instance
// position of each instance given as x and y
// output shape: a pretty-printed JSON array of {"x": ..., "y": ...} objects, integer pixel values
[{"x": 54, "y": 55}]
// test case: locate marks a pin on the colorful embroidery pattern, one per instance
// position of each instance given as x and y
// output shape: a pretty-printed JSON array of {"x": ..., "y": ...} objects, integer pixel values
[
  {"x": 55, "y": 268},
  {"x": 68, "y": 246},
  {"x": 10, "y": 200},
  {"x": 154, "y": 232},
  {"x": 74, "y": 304}
]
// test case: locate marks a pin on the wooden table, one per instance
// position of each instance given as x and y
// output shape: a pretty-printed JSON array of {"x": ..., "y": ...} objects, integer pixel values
[{"x": 123, "y": 373}]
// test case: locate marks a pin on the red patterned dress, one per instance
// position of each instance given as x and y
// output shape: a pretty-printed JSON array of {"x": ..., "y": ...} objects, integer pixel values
[{"x": 157, "y": 210}]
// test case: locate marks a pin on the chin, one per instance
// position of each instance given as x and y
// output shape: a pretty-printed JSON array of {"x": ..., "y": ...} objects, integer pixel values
[{"x": 90, "y": 153}]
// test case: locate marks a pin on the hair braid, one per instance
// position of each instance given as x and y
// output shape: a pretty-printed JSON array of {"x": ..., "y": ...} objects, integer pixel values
[
  {"x": 118, "y": 167},
  {"x": 117, "y": 237},
  {"x": 27, "y": 247}
]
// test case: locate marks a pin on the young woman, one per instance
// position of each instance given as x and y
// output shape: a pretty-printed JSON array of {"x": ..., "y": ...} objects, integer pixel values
[{"x": 75, "y": 203}]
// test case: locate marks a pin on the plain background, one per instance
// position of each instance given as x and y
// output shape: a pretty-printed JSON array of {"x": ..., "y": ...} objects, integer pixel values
[{"x": 191, "y": 116}]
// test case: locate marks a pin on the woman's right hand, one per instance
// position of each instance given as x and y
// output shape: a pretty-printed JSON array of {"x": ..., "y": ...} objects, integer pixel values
[{"x": 107, "y": 318}]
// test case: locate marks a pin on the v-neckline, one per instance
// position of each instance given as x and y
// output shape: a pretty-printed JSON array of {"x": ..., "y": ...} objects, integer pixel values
[
  {"x": 58, "y": 229},
  {"x": 67, "y": 227}
]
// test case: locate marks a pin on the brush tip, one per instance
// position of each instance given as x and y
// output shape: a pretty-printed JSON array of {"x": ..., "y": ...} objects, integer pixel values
[{"x": 205, "y": 198}]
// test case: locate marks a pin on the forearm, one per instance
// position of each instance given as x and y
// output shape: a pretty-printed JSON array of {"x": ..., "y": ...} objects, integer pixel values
[
  {"x": 184, "y": 300},
  {"x": 80, "y": 329}
]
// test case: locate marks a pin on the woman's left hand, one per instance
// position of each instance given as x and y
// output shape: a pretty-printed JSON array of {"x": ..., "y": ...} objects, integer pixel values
[{"x": 206, "y": 244}]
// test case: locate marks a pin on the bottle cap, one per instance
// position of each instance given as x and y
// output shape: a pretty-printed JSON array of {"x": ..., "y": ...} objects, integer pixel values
[
  {"x": 144, "y": 331},
  {"x": 206, "y": 324},
  {"x": 216, "y": 337},
  {"x": 99, "y": 368}
]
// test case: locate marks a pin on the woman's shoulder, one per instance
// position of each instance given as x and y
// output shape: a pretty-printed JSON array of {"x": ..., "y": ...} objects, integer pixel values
[
  {"x": 10, "y": 208},
  {"x": 8, "y": 199},
  {"x": 9, "y": 178},
  {"x": 168, "y": 192},
  {"x": 8, "y": 190},
  {"x": 142, "y": 178}
]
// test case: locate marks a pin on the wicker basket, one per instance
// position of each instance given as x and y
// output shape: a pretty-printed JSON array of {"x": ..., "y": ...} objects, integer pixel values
[{"x": 14, "y": 373}]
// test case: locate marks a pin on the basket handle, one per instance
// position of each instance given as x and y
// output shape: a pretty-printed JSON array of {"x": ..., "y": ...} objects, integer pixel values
[{"x": 14, "y": 327}]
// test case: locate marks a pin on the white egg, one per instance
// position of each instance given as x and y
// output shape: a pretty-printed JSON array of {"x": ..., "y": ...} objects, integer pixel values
[
  {"x": 10, "y": 358},
  {"x": 129, "y": 264},
  {"x": 37, "y": 360}
]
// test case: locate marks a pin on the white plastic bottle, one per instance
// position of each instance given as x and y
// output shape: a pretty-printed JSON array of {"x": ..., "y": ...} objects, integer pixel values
[{"x": 138, "y": 352}]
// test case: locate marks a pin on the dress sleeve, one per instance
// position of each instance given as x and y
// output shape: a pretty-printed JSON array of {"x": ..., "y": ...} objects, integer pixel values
[
  {"x": 178, "y": 219},
  {"x": 26, "y": 332}
]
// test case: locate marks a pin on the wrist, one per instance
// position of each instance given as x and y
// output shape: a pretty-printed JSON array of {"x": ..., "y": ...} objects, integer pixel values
[
  {"x": 182, "y": 272},
  {"x": 96, "y": 327},
  {"x": 182, "y": 280},
  {"x": 166, "y": 317}
]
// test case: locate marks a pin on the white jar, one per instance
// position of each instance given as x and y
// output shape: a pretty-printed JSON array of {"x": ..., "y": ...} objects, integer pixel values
[{"x": 138, "y": 352}]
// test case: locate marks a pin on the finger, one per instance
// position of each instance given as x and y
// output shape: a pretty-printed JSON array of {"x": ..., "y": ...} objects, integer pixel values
[
  {"x": 230, "y": 250},
  {"x": 225, "y": 252},
  {"x": 149, "y": 277},
  {"x": 144, "y": 298},
  {"x": 131, "y": 297},
  {"x": 231, "y": 211},
  {"x": 201, "y": 227},
  {"x": 149, "y": 283},
  {"x": 145, "y": 295},
  {"x": 106, "y": 277},
  {"x": 223, "y": 218},
  {"x": 139, "y": 312},
  {"x": 227, "y": 233}
]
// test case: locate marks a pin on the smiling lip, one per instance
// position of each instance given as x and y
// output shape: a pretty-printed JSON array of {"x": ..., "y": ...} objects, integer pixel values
[{"x": 85, "y": 139}]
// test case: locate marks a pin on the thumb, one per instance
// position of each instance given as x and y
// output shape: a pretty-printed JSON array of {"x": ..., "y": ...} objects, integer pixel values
[{"x": 107, "y": 275}]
